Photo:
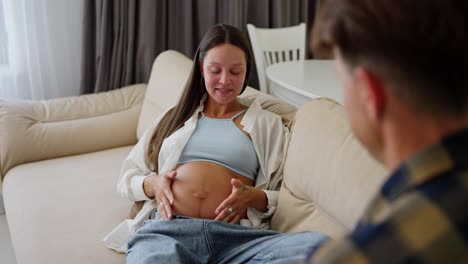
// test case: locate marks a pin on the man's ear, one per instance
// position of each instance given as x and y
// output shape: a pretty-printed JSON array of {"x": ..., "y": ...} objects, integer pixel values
[{"x": 372, "y": 92}]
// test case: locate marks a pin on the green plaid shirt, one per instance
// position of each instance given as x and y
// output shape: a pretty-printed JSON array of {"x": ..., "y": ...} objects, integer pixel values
[{"x": 420, "y": 215}]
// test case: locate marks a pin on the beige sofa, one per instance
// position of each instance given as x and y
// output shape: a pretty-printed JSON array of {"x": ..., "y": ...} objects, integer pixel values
[{"x": 60, "y": 159}]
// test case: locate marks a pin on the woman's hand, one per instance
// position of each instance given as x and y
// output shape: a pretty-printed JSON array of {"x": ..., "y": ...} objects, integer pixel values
[
  {"x": 234, "y": 208},
  {"x": 160, "y": 187}
]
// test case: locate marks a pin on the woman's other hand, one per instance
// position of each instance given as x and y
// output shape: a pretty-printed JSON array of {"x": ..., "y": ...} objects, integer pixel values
[
  {"x": 160, "y": 188},
  {"x": 234, "y": 208}
]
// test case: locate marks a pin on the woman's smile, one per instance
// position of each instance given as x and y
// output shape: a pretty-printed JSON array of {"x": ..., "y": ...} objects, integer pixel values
[{"x": 224, "y": 91}]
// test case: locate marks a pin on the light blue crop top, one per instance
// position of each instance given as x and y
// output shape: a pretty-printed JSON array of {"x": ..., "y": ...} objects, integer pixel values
[{"x": 222, "y": 142}]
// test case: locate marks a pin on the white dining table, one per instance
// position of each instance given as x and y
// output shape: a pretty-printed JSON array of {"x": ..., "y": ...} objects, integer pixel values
[{"x": 297, "y": 82}]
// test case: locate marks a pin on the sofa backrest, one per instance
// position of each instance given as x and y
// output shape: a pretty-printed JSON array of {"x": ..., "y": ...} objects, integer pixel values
[
  {"x": 329, "y": 178},
  {"x": 33, "y": 130},
  {"x": 169, "y": 74}
]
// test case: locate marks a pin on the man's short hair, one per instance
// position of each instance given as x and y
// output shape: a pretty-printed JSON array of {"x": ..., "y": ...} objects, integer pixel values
[{"x": 417, "y": 45}]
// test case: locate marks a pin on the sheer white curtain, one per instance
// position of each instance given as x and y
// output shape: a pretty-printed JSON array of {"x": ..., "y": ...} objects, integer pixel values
[{"x": 41, "y": 50}]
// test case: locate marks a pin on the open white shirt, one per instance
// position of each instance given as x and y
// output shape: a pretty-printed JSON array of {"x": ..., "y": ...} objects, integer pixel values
[{"x": 269, "y": 137}]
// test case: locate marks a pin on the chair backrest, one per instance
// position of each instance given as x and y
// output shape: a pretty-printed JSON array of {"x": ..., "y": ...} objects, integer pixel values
[{"x": 273, "y": 45}]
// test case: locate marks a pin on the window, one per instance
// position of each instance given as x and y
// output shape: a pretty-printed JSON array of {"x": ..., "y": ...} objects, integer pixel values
[{"x": 3, "y": 38}]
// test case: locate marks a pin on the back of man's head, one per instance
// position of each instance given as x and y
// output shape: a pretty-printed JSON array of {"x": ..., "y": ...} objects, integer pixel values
[{"x": 418, "y": 46}]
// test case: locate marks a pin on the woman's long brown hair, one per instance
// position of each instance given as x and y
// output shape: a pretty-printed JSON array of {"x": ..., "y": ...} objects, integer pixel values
[{"x": 194, "y": 90}]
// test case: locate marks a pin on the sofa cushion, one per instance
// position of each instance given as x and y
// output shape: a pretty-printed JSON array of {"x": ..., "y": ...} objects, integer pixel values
[
  {"x": 59, "y": 210},
  {"x": 328, "y": 176},
  {"x": 169, "y": 74}
]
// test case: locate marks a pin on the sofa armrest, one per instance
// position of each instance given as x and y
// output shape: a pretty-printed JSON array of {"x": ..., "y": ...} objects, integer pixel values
[{"x": 39, "y": 130}]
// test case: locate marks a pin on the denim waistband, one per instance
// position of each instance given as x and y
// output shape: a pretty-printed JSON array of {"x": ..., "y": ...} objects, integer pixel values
[{"x": 156, "y": 215}]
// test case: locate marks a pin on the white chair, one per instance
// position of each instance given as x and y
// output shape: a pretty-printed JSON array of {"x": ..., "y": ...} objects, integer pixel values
[{"x": 273, "y": 45}]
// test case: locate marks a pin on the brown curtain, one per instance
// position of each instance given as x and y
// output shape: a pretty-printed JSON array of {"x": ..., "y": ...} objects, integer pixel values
[{"x": 123, "y": 37}]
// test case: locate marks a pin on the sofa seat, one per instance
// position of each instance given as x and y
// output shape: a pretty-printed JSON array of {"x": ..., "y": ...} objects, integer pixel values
[{"x": 45, "y": 220}]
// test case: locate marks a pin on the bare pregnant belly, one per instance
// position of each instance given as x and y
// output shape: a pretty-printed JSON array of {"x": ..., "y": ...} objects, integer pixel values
[{"x": 201, "y": 186}]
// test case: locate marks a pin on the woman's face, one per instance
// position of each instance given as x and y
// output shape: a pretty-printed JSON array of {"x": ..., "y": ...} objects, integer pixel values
[{"x": 224, "y": 69}]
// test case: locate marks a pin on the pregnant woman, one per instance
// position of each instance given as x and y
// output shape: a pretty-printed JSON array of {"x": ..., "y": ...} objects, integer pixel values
[{"x": 209, "y": 171}]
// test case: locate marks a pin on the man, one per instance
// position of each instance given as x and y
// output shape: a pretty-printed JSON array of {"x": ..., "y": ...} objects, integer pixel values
[{"x": 401, "y": 65}]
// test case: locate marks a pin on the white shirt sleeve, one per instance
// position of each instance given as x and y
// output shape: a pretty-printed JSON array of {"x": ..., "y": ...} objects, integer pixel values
[
  {"x": 272, "y": 141},
  {"x": 134, "y": 171},
  {"x": 134, "y": 168}
]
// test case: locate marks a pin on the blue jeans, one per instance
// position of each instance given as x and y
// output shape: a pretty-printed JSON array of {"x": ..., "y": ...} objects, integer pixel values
[{"x": 190, "y": 240}]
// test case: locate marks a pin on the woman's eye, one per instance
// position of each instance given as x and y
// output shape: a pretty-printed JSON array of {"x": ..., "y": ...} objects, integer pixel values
[
  {"x": 235, "y": 72},
  {"x": 215, "y": 71}
]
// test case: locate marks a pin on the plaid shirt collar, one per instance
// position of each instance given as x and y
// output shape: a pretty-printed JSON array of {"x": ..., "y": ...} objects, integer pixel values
[{"x": 449, "y": 154}]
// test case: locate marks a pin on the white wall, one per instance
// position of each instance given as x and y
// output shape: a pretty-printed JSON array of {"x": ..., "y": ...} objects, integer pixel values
[
  {"x": 45, "y": 46},
  {"x": 65, "y": 21}
]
